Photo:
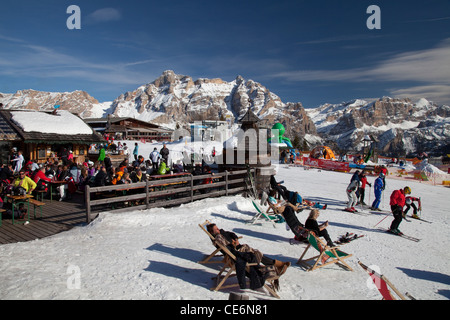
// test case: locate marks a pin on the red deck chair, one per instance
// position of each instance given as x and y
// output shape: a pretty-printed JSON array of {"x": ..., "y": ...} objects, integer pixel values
[{"x": 383, "y": 285}]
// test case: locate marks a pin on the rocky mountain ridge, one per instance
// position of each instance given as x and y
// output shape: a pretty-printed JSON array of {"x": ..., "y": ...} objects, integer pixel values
[{"x": 400, "y": 126}]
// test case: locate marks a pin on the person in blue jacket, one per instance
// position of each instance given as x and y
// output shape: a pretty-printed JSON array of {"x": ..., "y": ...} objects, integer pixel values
[
  {"x": 136, "y": 151},
  {"x": 378, "y": 188}
]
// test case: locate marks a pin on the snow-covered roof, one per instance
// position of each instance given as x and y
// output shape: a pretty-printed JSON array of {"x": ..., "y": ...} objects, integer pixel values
[{"x": 63, "y": 122}]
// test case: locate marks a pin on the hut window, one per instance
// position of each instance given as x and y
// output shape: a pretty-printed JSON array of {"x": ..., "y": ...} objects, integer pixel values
[{"x": 42, "y": 154}]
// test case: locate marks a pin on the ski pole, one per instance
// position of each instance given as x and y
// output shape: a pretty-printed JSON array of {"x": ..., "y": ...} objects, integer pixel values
[{"x": 381, "y": 220}]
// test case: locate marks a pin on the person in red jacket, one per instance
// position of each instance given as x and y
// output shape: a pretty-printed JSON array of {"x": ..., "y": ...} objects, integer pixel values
[
  {"x": 409, "y": 201},
  {"x": 362, "y": 188},
  {"x": 397, "y": 203},
  {"x": 41, "y": 179}
]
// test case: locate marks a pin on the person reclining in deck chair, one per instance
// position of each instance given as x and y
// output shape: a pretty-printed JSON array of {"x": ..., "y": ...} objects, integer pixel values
[
  {"x": 296, "y": 199},
  {"x": 320, "y": 230},
  {"x": 287, "y": 210},
  {"x": 244, "y": 253},
  {"x": 277, "y": 186}
]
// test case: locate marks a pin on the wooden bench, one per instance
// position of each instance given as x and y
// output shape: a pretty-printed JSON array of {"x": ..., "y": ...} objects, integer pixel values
[
  {"x": 40, "y": 194},
  {"x": 1, "y": 212},
  {"x": 36, "y": 204}
]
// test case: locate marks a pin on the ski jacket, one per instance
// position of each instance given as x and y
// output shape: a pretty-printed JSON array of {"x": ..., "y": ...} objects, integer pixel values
[
  {"x": 398, "y": 198},
  {"x": 40, "y": 176},
  {"x": 154, "y": 156},
  {"x": 353, "y": 185},
  {"x": 164, "y": 153},
  {"x": 364, "y": 182},
  {"x": 414, "y": 199},
  {"x": 378, "y": 184},
  {"x": 25, "y": 183},
  {"x": 101, "y": 155}
]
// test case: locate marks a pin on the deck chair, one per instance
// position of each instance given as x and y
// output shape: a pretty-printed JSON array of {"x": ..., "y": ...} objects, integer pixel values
[
  {"x": 261, "y": 213},
  {"x": 230, "y": 269},
  {"x": 383, "y": 285},
  {"x": 335, "y": 255},
  {"x": 215, "y": 253},
  {"x": 277, "y": 209}
]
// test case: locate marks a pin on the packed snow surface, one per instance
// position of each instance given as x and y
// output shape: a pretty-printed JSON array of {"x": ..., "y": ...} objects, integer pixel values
[{"x": 154, "y": 254}]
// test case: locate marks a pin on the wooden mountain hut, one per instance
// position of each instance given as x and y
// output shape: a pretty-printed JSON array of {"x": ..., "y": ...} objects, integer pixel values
[{"x": 42, "y": 135}]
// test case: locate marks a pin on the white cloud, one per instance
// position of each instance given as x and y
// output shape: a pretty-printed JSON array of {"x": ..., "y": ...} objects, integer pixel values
[
  {"x": 437, "y": 93},
  {"x": 429, "y": 68},
  {"x": 36, "y": 61},
  {"x": 104, "y": 15}
]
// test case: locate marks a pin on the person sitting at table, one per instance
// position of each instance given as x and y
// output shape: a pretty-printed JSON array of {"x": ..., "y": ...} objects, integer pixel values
[
  {"x": 63, "y": 176},
  {"x": 117, "y": 176},
  {"x": 25, "y": 182},
  {"x": 49, "y": 170},
  {"x": 162, "y": 168},
  {"x": 6, "y": 174},
  {"x": 41, "y": 179},
  {"x": 91, "y": 169},
  {"x": 125, "y": 179},
  {"x": 138, "y": 176},
  {"x": 101, "y": 178}
]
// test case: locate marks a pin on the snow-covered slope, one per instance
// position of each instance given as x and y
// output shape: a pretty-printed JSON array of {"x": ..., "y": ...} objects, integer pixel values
[{"x": 154, "y": 254}]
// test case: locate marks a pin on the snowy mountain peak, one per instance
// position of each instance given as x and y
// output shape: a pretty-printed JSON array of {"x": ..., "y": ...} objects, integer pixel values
[{"x": 172, "y": 99}]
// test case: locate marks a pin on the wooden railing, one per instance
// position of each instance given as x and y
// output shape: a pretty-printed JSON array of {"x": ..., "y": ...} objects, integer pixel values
[{"x": 167, "y": 191}]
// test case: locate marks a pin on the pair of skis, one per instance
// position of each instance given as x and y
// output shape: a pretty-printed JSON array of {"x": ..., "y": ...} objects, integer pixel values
[
  {"x": 348, "y": 237},
  {"x": 401, "y": 235},
  {"x": 251, "y": 184},
  {"x": 420, "y": 219}
]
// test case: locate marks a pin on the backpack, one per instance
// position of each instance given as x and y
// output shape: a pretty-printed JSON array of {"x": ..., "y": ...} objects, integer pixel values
[{"x": 18, "y": 191}]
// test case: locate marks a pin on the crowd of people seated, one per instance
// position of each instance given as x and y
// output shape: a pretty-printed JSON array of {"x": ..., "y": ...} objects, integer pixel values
[{"x": 68, "y": 177}]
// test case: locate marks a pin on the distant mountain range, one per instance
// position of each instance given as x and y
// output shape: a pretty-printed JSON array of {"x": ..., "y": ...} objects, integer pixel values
[{"x": 400, "y": 126}]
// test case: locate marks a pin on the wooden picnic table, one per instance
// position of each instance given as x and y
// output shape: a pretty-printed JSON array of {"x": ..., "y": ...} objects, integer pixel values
[{"x": 16, "y": 201}]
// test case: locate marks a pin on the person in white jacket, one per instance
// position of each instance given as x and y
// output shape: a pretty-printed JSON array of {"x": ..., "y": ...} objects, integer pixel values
[
  {"x": 154, "y": 157},
  {"x": 351, "y": 194},
  {"x": 18, "y": 162}
]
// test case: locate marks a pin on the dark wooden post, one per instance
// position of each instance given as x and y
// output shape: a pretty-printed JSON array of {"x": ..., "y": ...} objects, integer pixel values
[
  {"x": 147, "y": 194},
  {"x": 87, "y": 193},
  {"x": 226, "y": 183}
]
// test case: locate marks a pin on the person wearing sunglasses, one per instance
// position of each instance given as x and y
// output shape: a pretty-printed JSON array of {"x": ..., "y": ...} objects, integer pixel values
[{"x": 25, "y": 182}]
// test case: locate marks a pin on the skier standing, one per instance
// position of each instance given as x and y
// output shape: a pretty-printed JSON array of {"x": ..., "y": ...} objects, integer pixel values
[
  {"x": 362, "y": 189},
  {"x": 351, "y": 194},
  {"x": 378, "y": 189},
  {"x": 397, "y": 203}
]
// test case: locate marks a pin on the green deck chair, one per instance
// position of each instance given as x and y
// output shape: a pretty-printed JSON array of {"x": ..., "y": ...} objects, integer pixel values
[
  {"x": 333, "y": 253},
  {"x": 260, "y": 213}
]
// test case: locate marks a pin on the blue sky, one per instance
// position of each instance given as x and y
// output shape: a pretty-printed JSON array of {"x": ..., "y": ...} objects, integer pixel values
[{"x": 312, "y": 52}]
